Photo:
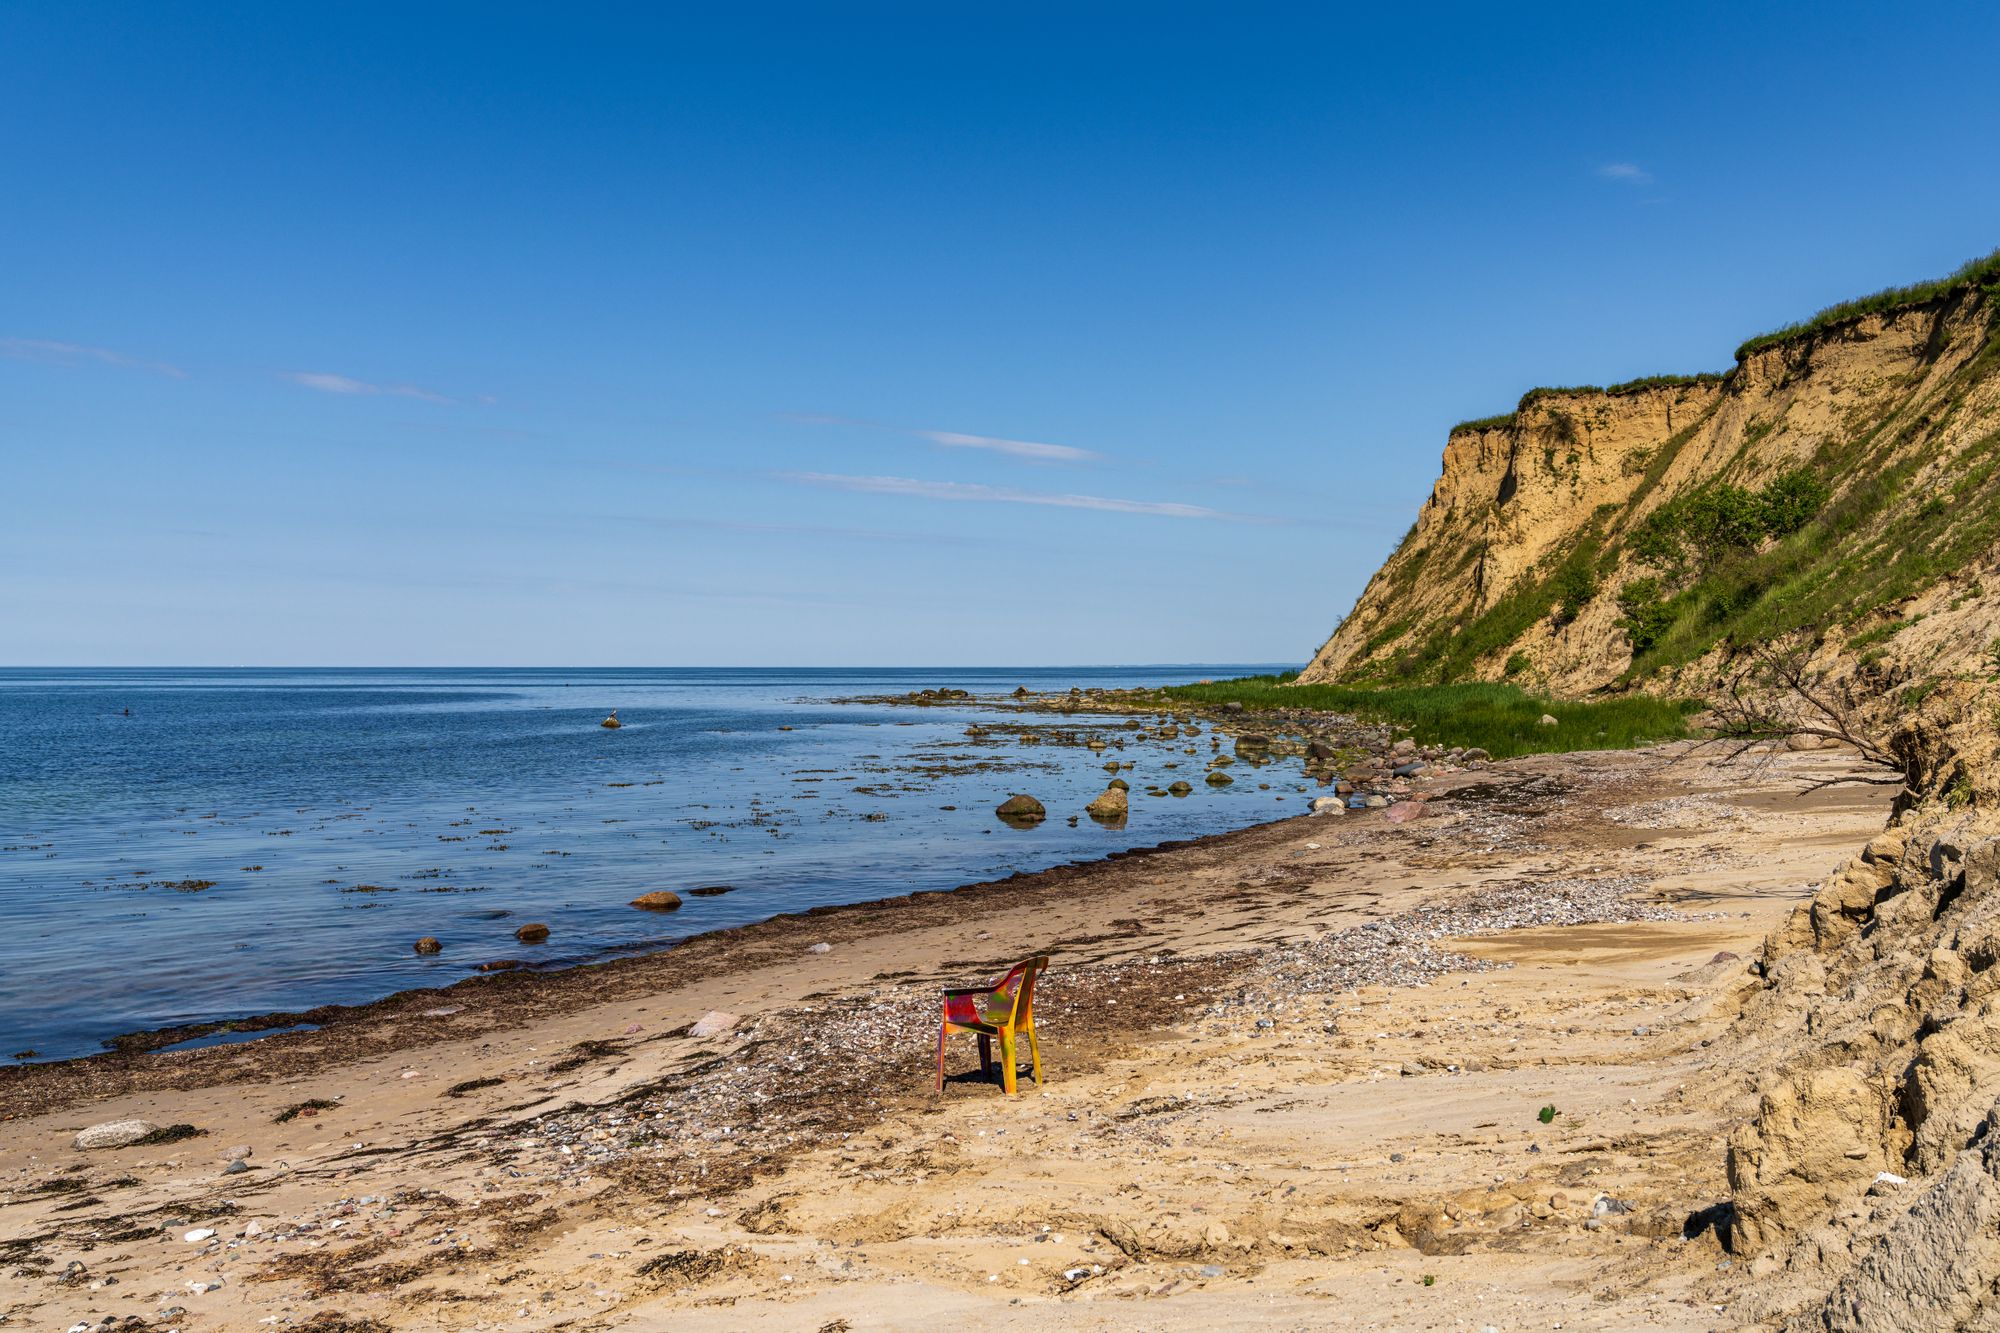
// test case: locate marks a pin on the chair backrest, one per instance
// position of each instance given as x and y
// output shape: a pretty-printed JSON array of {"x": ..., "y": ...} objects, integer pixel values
[{"x": 1019, "y": 984}]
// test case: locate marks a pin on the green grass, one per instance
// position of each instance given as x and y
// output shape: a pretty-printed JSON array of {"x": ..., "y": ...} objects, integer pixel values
[
  {"x": 1503, "y": 720},
  {"x": 1644, "y": 382},
  {"x": 1981, "y": 272}
]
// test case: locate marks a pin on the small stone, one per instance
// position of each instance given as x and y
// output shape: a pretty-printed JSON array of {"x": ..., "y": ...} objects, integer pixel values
[
  {"x": 236, "y": 1168},
  {"x": 1547, "y": 721},
  {"x": 659, "y": 900},
  {"x": 821, "y": 947},
  {"x": 115, "y": 1133},
  {"x": 429, "y": 944},
  {"x": 1218, "y": 778},
  {"x": 1021, "y": 809},
  {"x": 1327, "y": 805},
  {"x": 532, "y": 933},
  {"x": 199, "y": 1235},
  {"x": 1179, "y": 788}
]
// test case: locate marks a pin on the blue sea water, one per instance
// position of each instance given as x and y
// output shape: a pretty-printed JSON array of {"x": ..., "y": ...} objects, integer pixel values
[{"x": 250, "y": 841}]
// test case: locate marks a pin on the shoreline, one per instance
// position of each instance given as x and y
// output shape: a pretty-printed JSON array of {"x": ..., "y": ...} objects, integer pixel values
[
  {"x": 1298, "y": 1062},
  {"x": 134, "y": 1060}
]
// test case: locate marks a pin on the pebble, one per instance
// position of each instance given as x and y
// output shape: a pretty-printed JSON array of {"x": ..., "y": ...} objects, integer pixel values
[
  {"x": 821, "y": 947},
  {"x": 199, "y": 1235}
]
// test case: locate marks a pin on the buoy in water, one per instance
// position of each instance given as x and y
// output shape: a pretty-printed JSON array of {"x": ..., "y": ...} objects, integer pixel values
[{"x": 611, "y": 721}]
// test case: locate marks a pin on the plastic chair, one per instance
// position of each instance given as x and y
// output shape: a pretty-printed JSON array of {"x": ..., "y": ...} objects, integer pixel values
[{"x": 1000, "y": 1010}]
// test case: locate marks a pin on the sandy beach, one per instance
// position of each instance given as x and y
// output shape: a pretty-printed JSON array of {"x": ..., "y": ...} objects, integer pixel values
[{"x": 1296, "y": 1077}]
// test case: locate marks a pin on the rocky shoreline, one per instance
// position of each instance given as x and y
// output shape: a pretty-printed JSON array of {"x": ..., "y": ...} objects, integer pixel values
[{"x": 741, "y": 1132}]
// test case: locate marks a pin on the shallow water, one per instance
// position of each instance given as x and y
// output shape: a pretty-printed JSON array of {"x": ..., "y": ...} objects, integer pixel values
[{"x": 260, "y": 840}]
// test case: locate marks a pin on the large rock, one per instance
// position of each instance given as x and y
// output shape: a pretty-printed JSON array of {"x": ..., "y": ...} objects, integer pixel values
[
  {"x": 532, "y": 933},
  {"x": 1181, "y": 788},
  {"x": 659, "y": 900},
  {"x": 1111, "y": 805},
  {"x": 1328, "y": 805},
  {"x": 115, "y": 1134},
  {"x": 1218, "y": 778},
  {"x": 1021, "y": 809}
]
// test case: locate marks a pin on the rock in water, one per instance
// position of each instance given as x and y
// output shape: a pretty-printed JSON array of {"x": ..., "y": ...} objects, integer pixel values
[
  {"x": 1020, "y": 809},
  {"x": 1328, "y": 805},
  {"x": 532, "y": 933},
  {"x": 659, "y": 900},
  {"x": 1178, "y": 788},
  {"x": 430, "y": 944},
  {"x": 1218, "y": 778},
  {"x": 1111, "y": 805},
  {"x": 1120, "y": 784},
  {"x": 115, "y": 1134}
]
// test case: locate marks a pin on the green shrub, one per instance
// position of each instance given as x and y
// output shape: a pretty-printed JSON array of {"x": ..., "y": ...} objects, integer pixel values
[{"x": 1517, "y": 663}]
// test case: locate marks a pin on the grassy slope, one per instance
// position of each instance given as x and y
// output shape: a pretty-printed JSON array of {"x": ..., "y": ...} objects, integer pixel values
[{"x": 1501, "y": 719}]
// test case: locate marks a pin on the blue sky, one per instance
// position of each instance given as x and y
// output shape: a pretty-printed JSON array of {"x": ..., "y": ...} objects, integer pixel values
[{"x": 874, "y": 334}]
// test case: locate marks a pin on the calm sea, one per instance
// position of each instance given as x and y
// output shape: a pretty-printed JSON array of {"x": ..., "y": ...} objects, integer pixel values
[{"x": 247, "y": 841}]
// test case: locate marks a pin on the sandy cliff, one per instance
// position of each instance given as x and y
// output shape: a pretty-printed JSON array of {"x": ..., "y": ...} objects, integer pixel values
[{"x": 1551, "y": 527}]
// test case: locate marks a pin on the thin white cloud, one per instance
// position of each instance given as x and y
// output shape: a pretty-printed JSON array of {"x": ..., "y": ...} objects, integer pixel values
[
  {"x": 963, "y": 491},
  {"x": 1625, "y": 173},
  {"x": 341, "y": 384},
  {"x": 70, "y": 354},
  {"x": 1041, "y": 453}
]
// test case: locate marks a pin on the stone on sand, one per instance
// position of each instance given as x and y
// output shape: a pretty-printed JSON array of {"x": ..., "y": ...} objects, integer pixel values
[
  {"x": 713, "y": 1024},
  {"x": 115, "y": 1134}
]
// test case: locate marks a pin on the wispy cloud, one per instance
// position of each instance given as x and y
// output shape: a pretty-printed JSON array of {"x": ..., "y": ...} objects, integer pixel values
[
  {"x": 1625, "y": 173},
  {"x": 71, "y": 354},
  {"x": 1033, "y": 450},
  {"x": 963, "y": 491},
  {"x": 1041, "y": 453},
  {"x": 341, "y": 384}
]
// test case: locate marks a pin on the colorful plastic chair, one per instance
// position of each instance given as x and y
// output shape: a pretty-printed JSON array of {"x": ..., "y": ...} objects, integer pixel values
[{"x": 1000, "y": 1010}]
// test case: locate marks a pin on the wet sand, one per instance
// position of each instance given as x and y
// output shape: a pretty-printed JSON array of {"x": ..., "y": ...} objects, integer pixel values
[{"x": 1293, "y": 1072}]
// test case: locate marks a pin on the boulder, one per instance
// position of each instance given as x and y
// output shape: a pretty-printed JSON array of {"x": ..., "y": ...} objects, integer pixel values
[
  {"x": 713, "y": 1024},
  {"x": 1475, "y": 753},
  {"x": 1218, "y": 778},
  {"x": 1021, "y": 691},
  {"x": 1111, "y": 805},
  {"x": 115, "y": 1134},
  {"x": 1328, "y": 805},
  {"x": 1547, "y": 721},
  {"x": 1120, "y": 784},
  {"x": 1178, "y": 788},
  {"x": 1232, "y": 706},
  {"x": 1021, "y": 809},
  {"x": 532, "y": 933},
  {"x": 659, "y": 900},
  {"x": 429, "y": 944}
]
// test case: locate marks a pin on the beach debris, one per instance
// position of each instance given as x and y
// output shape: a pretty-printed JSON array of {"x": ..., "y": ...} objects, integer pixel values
[
  {"x": 659, "y": 900},
  {"x": 1021, "y": 810},
  {"x": 311, "y": 1106},
  {"x": 115, "y": 1134},
  {"x": 1546, "y": 1114},
  {"x": 713, "y": 1024},
  {"x": 429, "y": 944}
]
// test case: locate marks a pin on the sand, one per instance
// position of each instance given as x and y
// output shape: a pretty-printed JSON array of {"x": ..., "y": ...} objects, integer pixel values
[{"x": 1295, "y": 1076}]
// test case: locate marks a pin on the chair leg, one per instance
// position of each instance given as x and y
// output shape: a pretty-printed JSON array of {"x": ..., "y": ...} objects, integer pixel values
[
  {"x": 1035, "y": 1053},
  {"x": 985, "y": 1056},
  {"x": 942, "y": 1033},
  {"x": 1007, "y": 1060}
]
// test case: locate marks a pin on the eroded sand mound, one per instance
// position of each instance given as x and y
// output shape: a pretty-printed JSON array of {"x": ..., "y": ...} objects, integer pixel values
[{"x": 1868, "y": 1184}]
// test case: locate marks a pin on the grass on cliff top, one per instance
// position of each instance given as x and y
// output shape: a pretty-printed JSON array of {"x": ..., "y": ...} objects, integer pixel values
[
  {"x": 1981, "y": 272},
  {"x": 1570, "y": 390},
  {"x": 1503, "y": 720}
]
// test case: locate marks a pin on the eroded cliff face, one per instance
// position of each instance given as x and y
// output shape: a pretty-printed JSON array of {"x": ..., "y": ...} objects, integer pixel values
[{"x": 1517, "y": 561}]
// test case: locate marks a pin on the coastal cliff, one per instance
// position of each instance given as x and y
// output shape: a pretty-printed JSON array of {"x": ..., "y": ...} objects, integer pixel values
[{"x": 1841, "y": 482}]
